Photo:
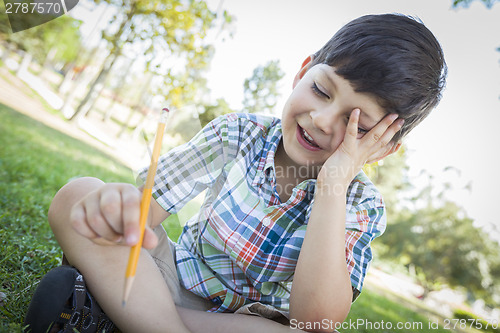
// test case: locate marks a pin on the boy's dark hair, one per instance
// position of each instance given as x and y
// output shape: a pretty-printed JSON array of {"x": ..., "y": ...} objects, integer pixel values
[{"x": 392, "y": 57}]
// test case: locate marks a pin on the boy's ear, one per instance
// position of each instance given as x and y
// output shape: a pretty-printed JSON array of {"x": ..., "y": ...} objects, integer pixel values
[
  {"x": 383, "y": 154},
  {"x": 303, "y": 69}
]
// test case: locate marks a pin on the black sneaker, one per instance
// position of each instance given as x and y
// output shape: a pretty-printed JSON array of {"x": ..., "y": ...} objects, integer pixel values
[{"x": 62, "y": 304}]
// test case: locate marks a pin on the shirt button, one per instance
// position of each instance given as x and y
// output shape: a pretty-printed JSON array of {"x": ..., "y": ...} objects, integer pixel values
[{"x": 266, "y": 222}]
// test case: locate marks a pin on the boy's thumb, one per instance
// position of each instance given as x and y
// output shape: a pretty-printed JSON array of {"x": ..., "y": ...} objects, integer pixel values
[{"x": 150, "y": 240}]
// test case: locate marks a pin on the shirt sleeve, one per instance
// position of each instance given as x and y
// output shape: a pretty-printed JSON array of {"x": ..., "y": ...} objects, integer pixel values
[
  {"x": 187, "y": 170},
  {"x": 365, "y": 220}
]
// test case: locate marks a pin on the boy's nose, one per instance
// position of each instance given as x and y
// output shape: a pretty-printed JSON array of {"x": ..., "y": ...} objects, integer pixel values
[{"x": 323, "y": 120}]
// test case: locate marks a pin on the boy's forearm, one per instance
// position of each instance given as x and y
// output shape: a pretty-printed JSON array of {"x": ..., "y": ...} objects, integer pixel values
[{"x": 321, "y": 287}]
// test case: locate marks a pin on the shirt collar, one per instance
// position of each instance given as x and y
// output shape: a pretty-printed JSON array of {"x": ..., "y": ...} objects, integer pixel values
[
  {"x": 266, "y": 171},
  {"x": 266, "y": 167}
]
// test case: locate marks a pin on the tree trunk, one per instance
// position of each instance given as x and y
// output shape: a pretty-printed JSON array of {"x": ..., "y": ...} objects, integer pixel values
[
  {"x": 98, "y": 83},
  {"x": 140, "y": 100},
  {"x": 117, "y": 92},
  {"x": 6, "y": 52},
  {"x": 96, "y": 86},
  {"x": 66, "y": 81},
  {"x": 25, "y": 63}
]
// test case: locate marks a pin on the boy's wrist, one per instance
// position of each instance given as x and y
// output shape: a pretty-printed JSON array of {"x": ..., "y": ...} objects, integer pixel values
[
  {"x": 332, "y": 186},
  {"x": 335, "y": 178}
]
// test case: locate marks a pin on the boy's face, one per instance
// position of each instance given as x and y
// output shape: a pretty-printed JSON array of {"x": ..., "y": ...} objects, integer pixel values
[{"x": 315, "y": 115}]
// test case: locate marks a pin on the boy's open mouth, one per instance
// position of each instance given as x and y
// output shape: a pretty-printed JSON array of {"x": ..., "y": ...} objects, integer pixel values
[{"x": 306, "y": 140}]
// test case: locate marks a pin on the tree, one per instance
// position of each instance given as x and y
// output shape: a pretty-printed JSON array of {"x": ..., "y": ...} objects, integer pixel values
[
  {"x": 432, "y": 236},
  {"x": 466, "y": 3},
  {"x": 164, "y": 29},
  {"x": 212, "y": 111},
  {"x": 260, "y": 90},
  {"x": 442, "y": 246},
  {"x": 61, "y": 36}
]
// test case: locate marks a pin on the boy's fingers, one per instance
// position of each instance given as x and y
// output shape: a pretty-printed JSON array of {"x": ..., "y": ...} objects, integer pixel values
[
  {"x": 103, "y": 241},
  {"x": 131, "y": 202},
  {"x": 79, "y": 222},
  {"x": 352, "y": 127},
  {"x": 379, "y": 135},
  {"x": 381, "y": 153},
  {"x": 150, "y": 239},
  {"x": 110, "y": 205},
  {"x": 96, "y": 221},
  {"x": 386, "y": 138},
  {"x": 386, "y": 146}
]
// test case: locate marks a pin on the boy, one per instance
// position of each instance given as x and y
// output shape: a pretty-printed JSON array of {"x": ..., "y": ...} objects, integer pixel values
[{"x": 286, "y": 201}]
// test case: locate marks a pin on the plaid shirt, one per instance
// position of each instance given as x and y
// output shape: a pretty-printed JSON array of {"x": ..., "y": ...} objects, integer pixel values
[{"x": 244, "y": 243}]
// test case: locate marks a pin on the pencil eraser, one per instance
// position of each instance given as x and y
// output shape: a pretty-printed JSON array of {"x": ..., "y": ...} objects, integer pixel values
[{"x": 164, "y": 115}]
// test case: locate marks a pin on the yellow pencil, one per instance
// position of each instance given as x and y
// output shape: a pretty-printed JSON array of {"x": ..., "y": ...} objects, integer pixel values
[{"x": 145, "y": 203}]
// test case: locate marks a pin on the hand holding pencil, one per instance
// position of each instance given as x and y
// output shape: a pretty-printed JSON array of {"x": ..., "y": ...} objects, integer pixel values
[{"x": 145, "y": 204}]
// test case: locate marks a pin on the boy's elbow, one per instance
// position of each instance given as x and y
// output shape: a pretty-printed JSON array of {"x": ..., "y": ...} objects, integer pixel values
[
  {"x": 319, "y": 324},
  {"x": 320, "y": 318}
]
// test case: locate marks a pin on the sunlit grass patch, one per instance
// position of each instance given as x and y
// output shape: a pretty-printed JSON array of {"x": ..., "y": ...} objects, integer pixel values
[{"x": 35, "y": 161}]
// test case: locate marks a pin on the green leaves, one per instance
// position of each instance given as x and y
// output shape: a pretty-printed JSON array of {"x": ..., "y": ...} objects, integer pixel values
[
  {"x": 434, "y": 238},
  {"x": 260, "y": 90},
  {"x": 61, "y": 36},
  {"x": 466, "y": 3}
]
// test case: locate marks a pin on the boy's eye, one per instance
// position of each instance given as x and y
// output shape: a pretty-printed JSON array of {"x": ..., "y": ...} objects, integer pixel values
[
  {"x": 360, "y": 129},
  {"x": 318, "y": 91}
]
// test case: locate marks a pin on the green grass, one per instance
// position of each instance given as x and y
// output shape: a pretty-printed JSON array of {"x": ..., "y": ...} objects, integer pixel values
[
  {"x": 35, "y": 161},
  {"x": 370, "y": 309}
]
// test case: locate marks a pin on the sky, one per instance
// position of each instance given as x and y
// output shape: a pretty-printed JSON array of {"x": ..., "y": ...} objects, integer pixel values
[{"x": 460, "y": 133}]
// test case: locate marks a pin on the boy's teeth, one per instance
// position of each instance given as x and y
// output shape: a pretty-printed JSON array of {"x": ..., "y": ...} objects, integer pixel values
[{"x": 309, "y": 138}]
